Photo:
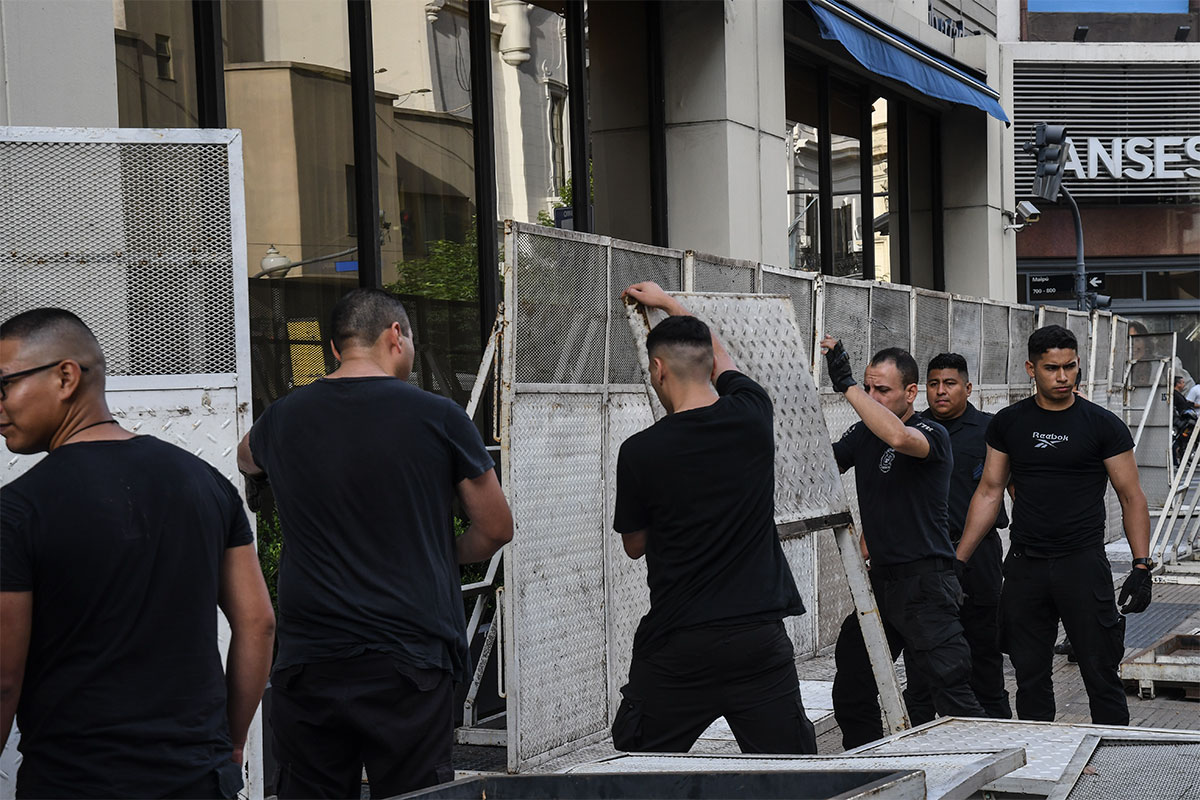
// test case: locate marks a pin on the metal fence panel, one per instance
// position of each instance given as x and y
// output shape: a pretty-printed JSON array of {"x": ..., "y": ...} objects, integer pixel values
[
  {"x": 798, "y": 286},
  {"x": 1080, "y": 324},
  {"x": 1053, "y": 316},
  {"x": 993, "y": 368},
  {"x": 715, "y": 274},
  {"x": 932, "y": 327},
  {"x": 847, "y": 308},
  {"x": 628, "y": 598},
  {"x": 561, "y": 286},
  {"x": 965, "y": 316},
  {"x": 891, "y": 309},
  {"x": 555, "y": 570},
  {"x": 629, "y": 266},
  {"x": 1021, "y": 321},
  {"x": 1102, "y": 347}
]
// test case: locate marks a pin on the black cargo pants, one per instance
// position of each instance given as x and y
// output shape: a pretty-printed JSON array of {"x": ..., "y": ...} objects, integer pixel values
[
  {"x": 918, "y": 604},
  {"x": 980, "y": 619},
  {"x": 1078, "y": 589},
  {"x": 745, "y": 673}
]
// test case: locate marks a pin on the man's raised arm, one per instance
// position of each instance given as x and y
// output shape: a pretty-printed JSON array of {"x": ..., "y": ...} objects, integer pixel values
[{"x": 651, "y": 295}]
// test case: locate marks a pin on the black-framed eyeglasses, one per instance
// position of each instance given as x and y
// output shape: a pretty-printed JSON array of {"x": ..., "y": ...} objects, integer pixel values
[{"x": 5, "y": 380}]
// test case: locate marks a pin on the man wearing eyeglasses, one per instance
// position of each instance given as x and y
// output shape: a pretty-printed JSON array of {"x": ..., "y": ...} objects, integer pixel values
[{"x": 115, "y": 550}]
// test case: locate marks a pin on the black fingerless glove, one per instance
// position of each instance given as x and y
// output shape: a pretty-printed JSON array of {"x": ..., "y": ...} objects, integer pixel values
[
  {"x": 837, "y": 364},
  {"x": 1135, "y": 594},
  {"x": 258, "y": 493}
]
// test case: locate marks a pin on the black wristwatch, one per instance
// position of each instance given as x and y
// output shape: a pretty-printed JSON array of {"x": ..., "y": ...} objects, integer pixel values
[{"x": 1148, "y": 563}]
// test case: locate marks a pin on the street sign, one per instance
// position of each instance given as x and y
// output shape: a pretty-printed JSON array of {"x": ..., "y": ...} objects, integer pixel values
[
  {"x": 1051, "y": 287},
  {"x": 1061, "y": 286}
]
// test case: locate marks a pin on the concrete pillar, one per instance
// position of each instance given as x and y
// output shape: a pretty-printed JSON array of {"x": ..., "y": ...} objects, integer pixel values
[
  {"x": 980, "y": 256},
  {"x": 726, "y": 152},
  {"x": 58, "y": 63}
]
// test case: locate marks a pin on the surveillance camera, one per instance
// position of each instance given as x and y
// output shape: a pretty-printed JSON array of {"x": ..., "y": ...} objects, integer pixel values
[{"x": 1028, "y": 212}]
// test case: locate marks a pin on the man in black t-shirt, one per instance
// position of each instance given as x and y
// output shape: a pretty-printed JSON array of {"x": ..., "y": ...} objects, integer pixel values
[
  {"x": 902, "y": 464},
  {"x": 1061, "y": 450},
  {"x": 948, "y": 389},
  {"x": 115, "y": 552},
  {"x": 364, "y": 468},
  {"x": 695, "y": 495}
]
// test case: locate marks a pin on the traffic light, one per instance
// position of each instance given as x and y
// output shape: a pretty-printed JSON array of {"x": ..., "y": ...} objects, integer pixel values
[{"x": 1050, "y": 145}]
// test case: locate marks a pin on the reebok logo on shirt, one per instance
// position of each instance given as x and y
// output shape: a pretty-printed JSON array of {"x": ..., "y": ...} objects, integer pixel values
[{"x": 1048, "y": 441}]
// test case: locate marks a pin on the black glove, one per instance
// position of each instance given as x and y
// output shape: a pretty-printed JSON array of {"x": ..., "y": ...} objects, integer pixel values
[
  {"x": 258, "y": 493},
  {"x": 1135, "y": 594},
  {"x": 841, "y": 375}
]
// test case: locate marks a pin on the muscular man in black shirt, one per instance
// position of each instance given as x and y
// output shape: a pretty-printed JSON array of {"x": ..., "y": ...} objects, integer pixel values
[
  {"x": 115, "y": 552},
  {"x": 1061, "y": 450},
  {"x": 902, "y": 471},
  {"x": 695, "y": 495},
  {"x": 948, "y": 389}
]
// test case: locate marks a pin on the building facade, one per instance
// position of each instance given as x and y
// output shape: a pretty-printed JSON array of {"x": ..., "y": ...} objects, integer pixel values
[{"x": 1127, "y": 87}]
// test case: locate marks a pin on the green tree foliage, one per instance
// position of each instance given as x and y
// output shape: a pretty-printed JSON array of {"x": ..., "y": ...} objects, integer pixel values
[{"x": 447, "y": 272}]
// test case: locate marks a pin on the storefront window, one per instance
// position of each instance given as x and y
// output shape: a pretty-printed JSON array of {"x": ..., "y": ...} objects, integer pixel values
[
  {"x": 880, "y": 182},
  {"x": 1173, "y": 285},
  {"x": 848, "y": 231}
]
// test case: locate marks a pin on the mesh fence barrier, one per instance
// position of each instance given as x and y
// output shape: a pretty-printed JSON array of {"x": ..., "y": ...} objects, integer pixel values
[
  {"x": 890, "y": 319},
  {"x": 713, "y": 274},
  {"x": 993, "y": 367},
  {"x": 135, "y": 238},
  {"x": 932, "y": 326},
  {"x": 664, "y": 267},
  {"x": 965, "y": 316},
  {"x": 847, "y": 309}
]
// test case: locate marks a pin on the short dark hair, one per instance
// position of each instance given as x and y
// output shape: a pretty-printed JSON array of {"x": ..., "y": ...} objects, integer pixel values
[
  {"x": 905, "y": 363},
  {"x": 1051, "y": 337},
  {"x": 684, "y": 330},
  {"x": 37, "y": 321},
  {"x": 361, "y": 315},
  {"x": 1179, "y": 379},
  {"x": 948, "y": 361}
]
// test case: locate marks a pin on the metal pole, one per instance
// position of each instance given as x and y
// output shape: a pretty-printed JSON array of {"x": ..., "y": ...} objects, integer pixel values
[
  {"x": 480, "y": 34},
  {"x": 1082, "y": 301},
  {"x": 577, "y": 90},
  {"x": 656, "y": 124},
  {"x": 824, "y": 173},
  {"x": 210, "y": 63},
  {"x": 366, "y": 166}
]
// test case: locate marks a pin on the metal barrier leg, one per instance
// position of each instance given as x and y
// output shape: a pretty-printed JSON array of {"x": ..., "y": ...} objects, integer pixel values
[{"x": 894, "y": 713}]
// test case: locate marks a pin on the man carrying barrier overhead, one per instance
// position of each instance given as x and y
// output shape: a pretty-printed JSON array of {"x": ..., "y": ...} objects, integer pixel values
[
  {"x": 695, "y": 496},
  {"x": 902, "y": 472},
  {"x": 1061, "y": 450}
]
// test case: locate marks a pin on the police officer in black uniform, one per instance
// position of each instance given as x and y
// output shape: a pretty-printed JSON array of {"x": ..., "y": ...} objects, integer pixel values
[
  {"x": 1061, "y": 451},
  {"x": 902, "y": 471},
  {"x": 948, "y": 389}
]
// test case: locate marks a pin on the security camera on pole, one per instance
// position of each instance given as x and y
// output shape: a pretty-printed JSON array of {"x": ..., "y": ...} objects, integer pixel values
[{"x": 1050, "y": 146}]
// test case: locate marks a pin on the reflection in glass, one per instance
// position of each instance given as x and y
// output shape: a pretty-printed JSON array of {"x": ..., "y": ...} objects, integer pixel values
[
  {"x": 803, "y": 230},
  {"x": 880, "y": 228}
]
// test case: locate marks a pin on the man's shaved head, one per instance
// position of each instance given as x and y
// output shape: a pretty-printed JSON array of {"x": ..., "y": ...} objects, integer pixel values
[
  {"x": 363, "y": 314},
  {"x": 49, "y": 333},
  {"x": 684, "y": 343}
]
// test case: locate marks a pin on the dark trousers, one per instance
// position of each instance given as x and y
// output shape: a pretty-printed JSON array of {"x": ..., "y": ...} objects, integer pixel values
[
  {"x": 1078, "y": 589},
  {"x": 745, "y": 673},
  {"x": 980, "y": 620},
  {"x": 920, "y": 618},
  {"x": 332, "y": 718}
]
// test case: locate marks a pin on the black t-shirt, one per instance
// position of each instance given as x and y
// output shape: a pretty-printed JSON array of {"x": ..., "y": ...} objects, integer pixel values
[
  {"x": 702, "y": 484},
  {"x": 121, "y": 544},
  {"x": 364, "y": 472},
  {"x": 1057, "y": 463},
  {"x": 901, "y": 499},
  {"x": 969, "y": 446}
]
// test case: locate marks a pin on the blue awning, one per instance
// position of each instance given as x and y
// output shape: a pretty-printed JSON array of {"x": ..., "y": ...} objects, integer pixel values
[{"x": 888, "y": 55}]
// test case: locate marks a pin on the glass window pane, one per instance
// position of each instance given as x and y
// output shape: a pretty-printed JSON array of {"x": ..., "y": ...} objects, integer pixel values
[
  {"x": 845, "y": 118},
  {"x": 921, "y": 196},
  {"x": 1173, "y": 285},
  {"x": 880, "y": 228},
  {"x": 803, "y": 231},
  {"x": 1123, "y": 285}
]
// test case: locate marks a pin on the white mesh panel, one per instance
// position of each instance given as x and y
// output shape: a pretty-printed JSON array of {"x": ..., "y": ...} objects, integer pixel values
[
  {"x": 932, "y": 327},
  {"x": 965, "y": 332},
  {"x": 890, "y": 311}
]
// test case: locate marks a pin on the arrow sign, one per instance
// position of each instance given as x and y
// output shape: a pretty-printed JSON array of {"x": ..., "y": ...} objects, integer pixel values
[{"x": 1096, "y": 281}]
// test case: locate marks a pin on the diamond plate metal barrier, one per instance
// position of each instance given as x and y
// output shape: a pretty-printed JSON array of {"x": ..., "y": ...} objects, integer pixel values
[
  {"x": 142, "y": 234},
  {"x": 891, "y": 314},
  {"x": 965, "y": 331}
]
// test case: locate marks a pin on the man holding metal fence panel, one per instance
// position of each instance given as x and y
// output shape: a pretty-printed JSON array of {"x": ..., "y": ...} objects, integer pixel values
[
  {"x": 365, "y": 468},
  {"x": 902, "y": 471},
  {"x": 695, "y": 495},
  {"x": 948, "y": 389},
  {"x": 1061, "y": 450}
]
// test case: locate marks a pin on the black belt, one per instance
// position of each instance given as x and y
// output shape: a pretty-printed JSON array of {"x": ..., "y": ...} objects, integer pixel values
[{"x": 922, "y": 566}]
